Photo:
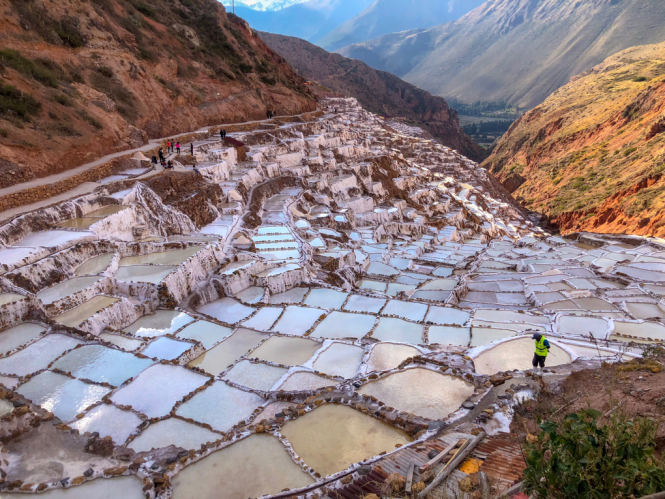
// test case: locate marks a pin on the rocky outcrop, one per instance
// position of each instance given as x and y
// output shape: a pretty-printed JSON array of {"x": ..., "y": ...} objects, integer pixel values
[{"x": 591, "y": 156}]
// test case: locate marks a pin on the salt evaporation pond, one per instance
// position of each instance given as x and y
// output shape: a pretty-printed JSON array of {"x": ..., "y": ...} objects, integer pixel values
[
  {"x": 651, "y": 330},
  {"x": 53, "y": 238},
  {"x": 129, "y": 344},
  {"x": 449, "y": 335},
  {"x": 66, "y": 288},
  {"x": 166, "y": 348},
  {"x": 83, "y": 312},
  {"x": 387, "y": 356},
  {"x": 255, "y": 375},
  {"x": 397, "y": 330},
  {"x": 153, "y": 274},
  {"x": 264, "y": 319},
  {"x": 127, "y": 487},
  {"x": 286, "y": 351},
  {"x": 102, "y": 364},
  {"x": 156, "y": 390},
  {"x": 208, "y": 333},
  {"x": 339, "y": 359},
  {"x": 221, "y": 406},
  {"x": 516, "y": 354},
  {"x": 227, "y": 310},
  {"x": 326, "y": 298},
  {"x": 63, "y": 396},
  {"x": 332, "y": 437},
  {"x": 219, "y": 358},
  {"x": 160, "y": 323},
  {"x": 297, "y": 321},
  {"x": 302, "y": 381},
  {"x": 422, "y": 392},
  {"x": 6, "y": 298},
  {"x": 94, "y": 265},
  {"x": 360, "y": 303},
  {"x": 108, "y": 420},
  {"x": 37, "y": 355},
  {"x": 173, "y": 257},
  {"x": 205, "y": 479},
  {"x": 344, "y": 325},
  {"x": 16, "y": 336},
  {"x": 172, "y": 431}
]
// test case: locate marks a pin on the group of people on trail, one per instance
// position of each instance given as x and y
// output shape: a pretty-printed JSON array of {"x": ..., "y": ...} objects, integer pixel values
[
  {"x": 222, "y": 134},
  {"x": 172, "y": 146},
  {"x": 270, "y": 114}
]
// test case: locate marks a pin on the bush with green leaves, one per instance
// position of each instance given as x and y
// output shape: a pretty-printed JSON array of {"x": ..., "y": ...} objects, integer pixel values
[{"x": 583, "y": 459}]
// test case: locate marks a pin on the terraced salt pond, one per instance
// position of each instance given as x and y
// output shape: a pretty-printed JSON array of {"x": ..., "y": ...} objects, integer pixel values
[
  {"x": 172, "y": 431},
  {"x": 332, "y": 437},
  {"x": 516, "y": 354},
  {"x": 85, "y": 311}
]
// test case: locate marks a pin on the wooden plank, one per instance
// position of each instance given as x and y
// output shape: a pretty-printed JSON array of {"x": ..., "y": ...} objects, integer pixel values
[
  {"x": 409, "y": 477},
  {"x": 437, "y": 459}
]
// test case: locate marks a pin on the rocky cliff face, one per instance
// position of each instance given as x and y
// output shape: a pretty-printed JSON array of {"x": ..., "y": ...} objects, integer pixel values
[
  {"x": 518, "y": 51},
  {"x": 81, "y": 79},
  {"x": 592, "y": 156},
  {"x": 378, "y": 91}
]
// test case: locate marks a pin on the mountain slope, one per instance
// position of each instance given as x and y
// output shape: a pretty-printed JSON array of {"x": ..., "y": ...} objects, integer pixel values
[
  {"x": 389, "y": 16},
  {"x": 82, "y": 79},
  {"x": 377, "y": 91},
  {"x": 592, "y": 156},
  {"x": 518, "y": 51},
  {"x": 310, "y": 20}
]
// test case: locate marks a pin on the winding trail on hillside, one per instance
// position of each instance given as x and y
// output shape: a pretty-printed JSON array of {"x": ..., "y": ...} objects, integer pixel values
[{"x": 88, "y": 187}]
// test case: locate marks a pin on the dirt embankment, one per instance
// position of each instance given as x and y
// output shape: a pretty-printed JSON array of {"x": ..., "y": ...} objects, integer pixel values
[
  {"x": 82, "y": 79},
  {"x": 592, "y": 156}
]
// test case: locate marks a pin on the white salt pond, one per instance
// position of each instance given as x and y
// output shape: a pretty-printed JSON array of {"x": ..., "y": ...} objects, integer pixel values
[
  {"x": 172, "y": 431},
  {"x": 83, "y": 312},
  {"x": 264, "y": 319},
  {"x": 645, "y": 310},
  {"x": 445, "y": 316},
  {"x": 156, "y": 390},
  {"x": 16, "y": 336},
  {"x": 153, "y": 274},
  {"x": 256, "y": 376},
  {"x": 173, "y": 257},
  {"x": 344, "y": 325},
  {"x": 227, "y": 310},
  {"x": 286, "y": 350},
  {"x": 385, "y": 356},
  {"x": 481, "y": 336},
  {"x": 449, "y": 335},
  {"x": 63, "y": 396},
  {"x": 422, "y": 392},
  {"x": 124, "y": 342},
  {"x": 297, "y": 321},
  {"x": 397, "y": 330},
  {"x": 102, "y": 364},
  {"x": 360, "y": 303},
  {"x": 332, "y": 437},
  {"x": 206, "y": 478},
  {"x": 208, "y": 333},
  {"x": 166, "y": 348},
  {"x": 53, "y": 238},
  {"x": 221, "y": 406},
  {"x": 66, "y": 288},
  {"x": 516, "y": 354},
  {"x": 127, "y": 487},
  {"x": 294, "y": 295},
  {"x": 583, "y": 326},
  {"x": 302, "y": 381},
  {"x": 326, "y": 298},
  {"x": 94, "y": 265},
  {"x": 37, "y": 355},
  {"x": 160, "y": 323},
  {"x": 251, "y": 295},
  {"x": 339, "y": 359},
  {"x": 108, "y": 420},
  {"x": 406, "y": 310},
  {"x": 217, "y": 359},
  {"x": 644, "y": 330}
]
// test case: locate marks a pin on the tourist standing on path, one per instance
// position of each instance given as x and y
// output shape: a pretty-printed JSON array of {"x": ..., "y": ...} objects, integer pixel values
[
  {"x": 168, "y": 146},
  {"x": 177, "y": 147},
  {"x": 542, "y": 349},
  {"x": 161, "y": 155},
  {"x": 191, "y": 148}
]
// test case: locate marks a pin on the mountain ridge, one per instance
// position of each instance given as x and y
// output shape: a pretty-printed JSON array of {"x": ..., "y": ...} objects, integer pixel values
[
  {"x": 377, "y": 91},
  {"x": 517, "y": 51},
  {"x": 592, "y": 156}
]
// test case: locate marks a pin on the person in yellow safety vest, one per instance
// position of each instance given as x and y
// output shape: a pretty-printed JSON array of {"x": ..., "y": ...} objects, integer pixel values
[{"x": 542, "y": 349}]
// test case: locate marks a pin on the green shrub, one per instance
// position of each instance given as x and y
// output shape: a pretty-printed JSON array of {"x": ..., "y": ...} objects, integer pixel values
[
  {"x": 146, "y": 54},
  {"x": 91, "y": 119},
  {"x": 4, "y": 133},
  {"x": 68, "y": 31},
  {"x": 62, "y": 99},
  {"x": 13, "y": 102},
  {"x": 629, "y": 151},
  {"x": 582, "y": 459},
  {"x": 640, "y": 79},
  {"x": 37, "y": 70},
  {"x": 144, "y": 9}
]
